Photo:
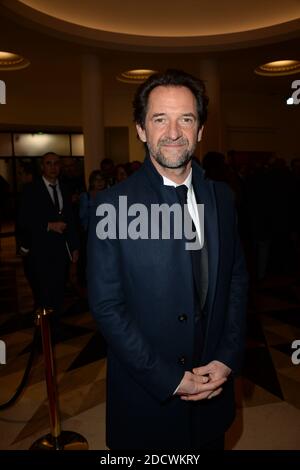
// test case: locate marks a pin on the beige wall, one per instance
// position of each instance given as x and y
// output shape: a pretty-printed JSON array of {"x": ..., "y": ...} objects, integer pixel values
[
  {"x": 257, "y": 122},
  {"x": 253, "y": 121},
  {"x": 35, "y": 97},
  {"x": 58, "y": 103},
  {"x": 118, "y": 112}
]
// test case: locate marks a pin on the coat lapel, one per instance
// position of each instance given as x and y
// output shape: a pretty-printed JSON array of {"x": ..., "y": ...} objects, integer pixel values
[
  {"x": 48, "y": 204},
  {"x": 205, "y": 194}
]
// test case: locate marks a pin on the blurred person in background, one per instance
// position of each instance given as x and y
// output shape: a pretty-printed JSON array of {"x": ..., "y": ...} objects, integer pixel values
[
  {"x": 121, "y": 173},
  {"x": 97, "y": 182},
  {"x": 107, "y": 168},
  {"x": 48, "y": 236}
]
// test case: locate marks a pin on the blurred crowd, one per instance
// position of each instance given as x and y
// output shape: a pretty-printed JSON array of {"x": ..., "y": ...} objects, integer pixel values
[
  {"x": 267, "y": 198},
  {"x": 72, "y": 182},
  {"x": 266, "y": 192}
]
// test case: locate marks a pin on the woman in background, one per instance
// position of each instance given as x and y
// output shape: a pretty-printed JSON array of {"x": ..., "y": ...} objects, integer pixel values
[{"x": 97, "y": 182}]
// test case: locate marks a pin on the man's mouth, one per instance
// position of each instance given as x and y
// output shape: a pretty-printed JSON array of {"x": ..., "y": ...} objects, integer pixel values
[{"x": 173, "y": 144}]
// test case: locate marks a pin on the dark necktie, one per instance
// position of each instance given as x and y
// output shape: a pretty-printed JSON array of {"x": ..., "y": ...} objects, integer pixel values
[
  {"x": 199, "y": 257},
  {"x": 55, "y": 195}
]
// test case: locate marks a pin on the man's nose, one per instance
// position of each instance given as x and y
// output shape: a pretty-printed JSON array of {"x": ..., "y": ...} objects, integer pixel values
[{"x": 174, "y": 130}]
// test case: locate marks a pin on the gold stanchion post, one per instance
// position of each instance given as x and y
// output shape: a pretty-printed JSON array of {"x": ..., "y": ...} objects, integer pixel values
[{"x": 57, "y": 439}]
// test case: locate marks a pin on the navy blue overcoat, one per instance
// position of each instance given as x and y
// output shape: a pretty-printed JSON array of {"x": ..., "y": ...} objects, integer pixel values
[{"x": 142, "y": 297}]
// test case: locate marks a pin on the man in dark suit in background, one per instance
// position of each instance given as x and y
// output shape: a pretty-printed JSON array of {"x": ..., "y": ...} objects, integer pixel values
[
  {"x": 173, "y": 318},
  {"x": 47, "y": 235}
]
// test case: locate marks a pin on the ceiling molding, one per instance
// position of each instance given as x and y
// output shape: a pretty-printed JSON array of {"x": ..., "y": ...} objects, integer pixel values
[{"x": 117, "y": 41}]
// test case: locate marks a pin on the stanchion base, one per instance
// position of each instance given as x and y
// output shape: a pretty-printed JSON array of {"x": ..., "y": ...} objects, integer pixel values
[{"x": 67, "y": 440}]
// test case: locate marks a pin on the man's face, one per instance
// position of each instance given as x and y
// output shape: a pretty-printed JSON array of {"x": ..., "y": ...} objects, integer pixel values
[
  {"x": 68, "y": 167},
  {"x": 51, "y": 167},
  {"x": 171, "y": 126}
]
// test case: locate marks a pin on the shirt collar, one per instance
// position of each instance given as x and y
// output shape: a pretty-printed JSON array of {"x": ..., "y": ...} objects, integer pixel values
[
  {"x": 187, "y": 181},
  {"x": 47, "y": 183}
]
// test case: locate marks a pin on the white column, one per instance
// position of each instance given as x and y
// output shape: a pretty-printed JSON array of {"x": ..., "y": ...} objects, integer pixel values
[
  {"x": 92, "y": 113},
  {"x": 213, "y": 138}
]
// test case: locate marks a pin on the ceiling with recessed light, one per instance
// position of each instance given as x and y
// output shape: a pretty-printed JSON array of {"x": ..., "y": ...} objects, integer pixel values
[
  {"x": 192, "y": 23},
  {"x": 11, "y": 61},
  {"x": 279, "y": 68},
  {"x": 55, "y": 53},
  {"x": 193, "y": 18}
]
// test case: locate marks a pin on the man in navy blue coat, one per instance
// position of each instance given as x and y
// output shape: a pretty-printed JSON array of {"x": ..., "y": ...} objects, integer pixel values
[{"x": 174, "y": 327}]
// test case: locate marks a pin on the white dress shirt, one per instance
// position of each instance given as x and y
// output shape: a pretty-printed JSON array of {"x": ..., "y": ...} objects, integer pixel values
[
  {"x": 191, "y": 200},
  {"x": 50, "y": 191}
]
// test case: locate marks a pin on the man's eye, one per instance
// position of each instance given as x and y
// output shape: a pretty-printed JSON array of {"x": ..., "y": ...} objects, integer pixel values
[
  {"x": 188, "y": 121},
  {"x": 159, "y": 120}
]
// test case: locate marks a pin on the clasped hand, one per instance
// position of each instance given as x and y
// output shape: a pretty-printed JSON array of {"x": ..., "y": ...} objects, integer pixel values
[{"x": 203, "y": 382}]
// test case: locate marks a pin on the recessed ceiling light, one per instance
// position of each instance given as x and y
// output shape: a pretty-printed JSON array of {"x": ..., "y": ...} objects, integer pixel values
[
  {"x": 135, "y": 76},
  {"x": 279, "y": 67},
  {"x": 11, "y": 61}
]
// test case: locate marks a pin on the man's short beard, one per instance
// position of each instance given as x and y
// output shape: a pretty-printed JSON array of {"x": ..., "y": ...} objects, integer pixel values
[{"x": 182, "y": 161}]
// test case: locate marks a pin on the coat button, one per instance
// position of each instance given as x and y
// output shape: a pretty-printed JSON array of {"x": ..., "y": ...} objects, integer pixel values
[
  {"x": 181, "y": 360},
  {"x": 182, "y": 318}
]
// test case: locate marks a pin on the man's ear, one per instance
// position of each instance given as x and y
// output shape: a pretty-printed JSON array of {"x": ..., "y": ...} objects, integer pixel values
[
  {"x": 141, "y": 133},
  {"x": 199, "y": 137}
]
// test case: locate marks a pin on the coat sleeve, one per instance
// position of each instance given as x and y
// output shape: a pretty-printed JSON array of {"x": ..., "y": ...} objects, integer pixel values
[
  {"x": 71, "y": 233},
  {"x": 231, "y": 347},
  {"x": 126, "y": 341},
  {"x": 29, "y": 220}
]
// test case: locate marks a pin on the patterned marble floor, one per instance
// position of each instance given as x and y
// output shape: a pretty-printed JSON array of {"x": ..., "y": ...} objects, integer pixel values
[{"x": 268, "y": 391}]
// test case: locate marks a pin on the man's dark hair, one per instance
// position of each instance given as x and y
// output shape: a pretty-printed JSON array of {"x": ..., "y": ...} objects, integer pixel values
[
  {"x": 171, "y": 77},
  {"x": 50, "y": 153}
]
